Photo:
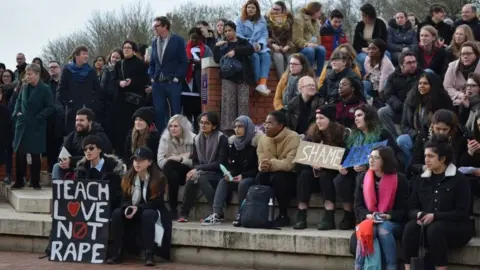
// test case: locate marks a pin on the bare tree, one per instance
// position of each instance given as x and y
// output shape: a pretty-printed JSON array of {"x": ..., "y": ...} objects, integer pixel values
[{"x": 105, "y": 31}]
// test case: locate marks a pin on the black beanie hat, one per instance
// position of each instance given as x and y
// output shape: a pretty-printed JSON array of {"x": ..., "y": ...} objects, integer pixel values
[
  {"x": 145, "y": 113},
  {"x": 330, "y": 111}
]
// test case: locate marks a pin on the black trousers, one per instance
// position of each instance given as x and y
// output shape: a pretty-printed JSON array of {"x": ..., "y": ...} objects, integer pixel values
[
  {"x": 21, "y": 168},
  {"x": 307, "y": 183},
  {"x": 207, "y": 183},
  {"x": 53, "y": 149},
  {"x": 439, "y": 236},
  {"x": 143, "y": 222},
  {"x": 283, "y": 184},
  {"x": 176, "y": 173},
  {"x": 345, "y": 186}
]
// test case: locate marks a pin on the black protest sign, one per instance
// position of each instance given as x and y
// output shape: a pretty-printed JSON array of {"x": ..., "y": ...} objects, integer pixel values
[{"x": 81, "y": 212}]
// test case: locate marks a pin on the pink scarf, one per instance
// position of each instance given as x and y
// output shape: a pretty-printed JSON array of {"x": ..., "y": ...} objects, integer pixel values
[{"x": 386, "y": 190}]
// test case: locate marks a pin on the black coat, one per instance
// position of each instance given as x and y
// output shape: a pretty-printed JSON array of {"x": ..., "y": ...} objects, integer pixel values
[
  {"x": 243, "y": 162},
  {"x": 73, "y": 95},
  {"x": 73, "y": 143},
  {"x": 243, "y": 51},
  {"x": 152, "y": 144},
  {"x": 298, "y": 119},
  {"x": 55, "y": 126},
  {"x": 112, "y": 171},
  {"x": 450, "y": 199},
  {"x": 379, "y": 31},
  {"x": 438, "y": 63},
  {"x": 445, "y": 31},
  {"x": 474, "y": 25},
  {"x": 329, "y": 89},
  {"x": 400, "y": 207},
  {"x": 6, "y": 130},
  {"x": 158, "y": 204},
  {"x": 397, "y": 87}
]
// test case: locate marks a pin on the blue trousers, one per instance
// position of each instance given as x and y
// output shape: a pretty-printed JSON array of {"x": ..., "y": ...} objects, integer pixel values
[
  {"x": 317, "y": 53},
  {"x": 161, "y": 92},
  {"x": 261, "y": 63}
]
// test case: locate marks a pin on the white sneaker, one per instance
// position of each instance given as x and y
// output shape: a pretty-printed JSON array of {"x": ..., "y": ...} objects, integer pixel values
[
  {"x": 212, "y": 219},
  {"x": 263, "y": 90}
]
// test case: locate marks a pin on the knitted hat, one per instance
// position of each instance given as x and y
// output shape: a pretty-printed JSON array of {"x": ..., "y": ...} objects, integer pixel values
[
  {"x": 329, "y": 111},
  {"x": 145, "y": 113}
]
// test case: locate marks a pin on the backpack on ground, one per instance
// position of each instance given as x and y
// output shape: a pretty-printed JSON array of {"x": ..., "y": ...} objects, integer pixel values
[{"x": 254, "y": 211}]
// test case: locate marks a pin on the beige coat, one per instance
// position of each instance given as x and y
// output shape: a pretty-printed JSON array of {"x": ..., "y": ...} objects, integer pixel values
[
  {"x": 280, "y": 150},
  {"x": 304, "y": 28},
  {"x": 168, "y": 147},
  {"x": 454, "y": 82}
]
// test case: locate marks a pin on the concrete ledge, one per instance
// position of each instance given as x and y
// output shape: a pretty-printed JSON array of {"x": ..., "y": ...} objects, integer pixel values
[{"x": 28, "y": 200}]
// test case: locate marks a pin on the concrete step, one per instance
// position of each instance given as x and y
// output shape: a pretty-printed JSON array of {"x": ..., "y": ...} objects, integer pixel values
[
  {"x": 28, "y": 200},
  {"x": 226, "y": 245}
]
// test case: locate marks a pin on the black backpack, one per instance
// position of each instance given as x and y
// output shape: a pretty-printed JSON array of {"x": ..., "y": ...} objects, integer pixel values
[{"x": 254, "y": 210}]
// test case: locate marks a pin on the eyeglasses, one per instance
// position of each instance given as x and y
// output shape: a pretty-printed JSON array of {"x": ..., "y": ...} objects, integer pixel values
[
  {"x": 127, "y": 48},
  {"x": 466, "y": 53},
  {"x": 202, "y": 123},
  {"x": 294, "y": 64},
  {"x": 53, "y": 67},
  {"x": 156, "y": 26},
  {"x": 312, "y": 85},
  {"x": 6, "y": 76},
  {"x": 90, "y": 148},
  {"x": 276, "y": 9},
  {"x": 471, "y": 85},
  {"x": 374, "y": 157}
]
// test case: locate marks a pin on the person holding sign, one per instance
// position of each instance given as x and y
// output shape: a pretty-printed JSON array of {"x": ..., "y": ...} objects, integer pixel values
[
  {"x": 96, "y": 165},
  {"x": 441, "y": 202},
  {"x": 326, "y": 131},
  {"x": 381, "y": 202},
  {"x": 368, "y": 130},
  {"x": 242, "y": 167},
  {"x": 143, "y": 208}
]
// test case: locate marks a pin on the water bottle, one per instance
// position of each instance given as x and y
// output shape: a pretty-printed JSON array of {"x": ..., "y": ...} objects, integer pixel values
[{"x": 271, "y": 211}]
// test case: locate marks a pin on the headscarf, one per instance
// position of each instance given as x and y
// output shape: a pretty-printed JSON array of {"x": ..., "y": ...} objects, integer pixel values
[{"x": 242, "y": 142}]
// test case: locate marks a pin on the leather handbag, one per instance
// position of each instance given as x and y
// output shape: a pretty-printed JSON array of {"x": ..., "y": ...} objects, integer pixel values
[{"x": 132, "y": 98}]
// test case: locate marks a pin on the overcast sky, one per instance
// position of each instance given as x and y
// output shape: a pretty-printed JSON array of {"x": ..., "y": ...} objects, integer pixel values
[{"x": 29, "y": 24}]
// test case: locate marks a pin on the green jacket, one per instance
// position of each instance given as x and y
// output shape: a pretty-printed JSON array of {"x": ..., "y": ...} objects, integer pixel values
[{"x": 36, "y": 105}]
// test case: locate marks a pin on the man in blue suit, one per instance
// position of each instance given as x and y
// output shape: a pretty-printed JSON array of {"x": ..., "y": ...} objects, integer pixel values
[{"x": 168, "y": 68}]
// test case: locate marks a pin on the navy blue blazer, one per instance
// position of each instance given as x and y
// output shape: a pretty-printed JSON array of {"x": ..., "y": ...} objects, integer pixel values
[{"x": 174, "y": 62}]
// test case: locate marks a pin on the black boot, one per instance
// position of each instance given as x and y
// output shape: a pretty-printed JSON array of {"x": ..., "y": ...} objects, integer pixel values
[
  {"x": 348, "y": 221},
  {"x": 117, "y": 258},
  {"x": 300, "y": 219},
  {"x": 149, "y": 258},
  {"x": 328, "y": 221}
]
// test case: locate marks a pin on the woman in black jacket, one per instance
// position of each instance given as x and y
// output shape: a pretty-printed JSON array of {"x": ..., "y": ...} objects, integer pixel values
[
  {"x": 421, "y": 103},
  {"x": 235, "y": 83},
  {"x": 143, "y": 133},
  {"x": 132, "y": 79},
  {"x": 469, "y": 161},
  {"x": 143, "y": 207},
  {"x": 381, "y": 195},
  {"x": 242, "y": 166},
  {"x": 371, "y": 27},
  {"x": 440, "y": 201},
  {"x": 210, "y": 150}
]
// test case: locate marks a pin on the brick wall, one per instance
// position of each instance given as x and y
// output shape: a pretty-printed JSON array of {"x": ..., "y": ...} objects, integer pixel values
[{"x": 259, "y": 105}]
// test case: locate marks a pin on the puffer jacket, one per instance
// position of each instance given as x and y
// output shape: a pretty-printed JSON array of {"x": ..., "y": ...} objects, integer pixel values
[{"x": 400, "y": 36}]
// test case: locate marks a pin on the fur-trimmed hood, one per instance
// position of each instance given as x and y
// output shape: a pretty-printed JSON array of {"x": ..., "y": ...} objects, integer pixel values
[
  {"x": 111, "y": 161},
  {"x": 254, "y": 142},
  {"x": 449, "y": 172}
]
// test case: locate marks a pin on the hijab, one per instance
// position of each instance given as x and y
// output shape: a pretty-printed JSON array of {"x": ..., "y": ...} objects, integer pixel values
[{"x": 242, "y": 142}]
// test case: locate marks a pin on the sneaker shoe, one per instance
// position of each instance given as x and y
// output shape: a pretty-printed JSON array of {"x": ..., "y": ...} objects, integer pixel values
[
  {"x": 213, "y": 219},
  {"x": 237, "y": 222},
  {"x": 263, "y": 90},
  {"x": 282, "y": 221},
  {"x": 6, "y": 180},
  {"x": 182, "y": 219}
]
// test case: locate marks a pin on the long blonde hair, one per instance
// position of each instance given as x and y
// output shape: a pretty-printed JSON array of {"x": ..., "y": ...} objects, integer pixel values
[{"x": 455, "y": 47}]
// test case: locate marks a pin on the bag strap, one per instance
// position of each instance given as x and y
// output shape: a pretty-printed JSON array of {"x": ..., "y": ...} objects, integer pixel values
[
  {"x": 421, "y": 246},
  {"x": 121, "y": 68}
]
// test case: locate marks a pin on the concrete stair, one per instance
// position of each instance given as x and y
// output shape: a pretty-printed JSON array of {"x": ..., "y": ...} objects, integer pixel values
[{"x": 25, "y": 224}]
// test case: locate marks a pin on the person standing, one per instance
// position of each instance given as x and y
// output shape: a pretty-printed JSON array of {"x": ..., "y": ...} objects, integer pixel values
[
  {"x": 168, "y": 68},
  {"x": 79, "y": 88},
  {"x": 34, "y": 105}
]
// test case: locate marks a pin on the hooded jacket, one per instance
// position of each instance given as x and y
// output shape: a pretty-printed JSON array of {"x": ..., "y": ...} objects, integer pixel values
[{"x": 400, "y": 36}]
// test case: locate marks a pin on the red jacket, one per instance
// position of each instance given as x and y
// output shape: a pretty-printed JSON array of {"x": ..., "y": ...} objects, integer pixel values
[
  {"x": 346, "y": 111},
  {"x": 331, "y": 38}
]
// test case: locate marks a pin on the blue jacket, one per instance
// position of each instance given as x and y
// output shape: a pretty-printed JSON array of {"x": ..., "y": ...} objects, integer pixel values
[
  {"x": 400, "y": 36},
  {"x": 254, "y": 32},
  {"x": 174, "y": 62}
]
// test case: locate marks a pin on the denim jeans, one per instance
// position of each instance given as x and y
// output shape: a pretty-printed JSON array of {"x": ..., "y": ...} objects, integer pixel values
[
  {"x": 221, "y": 193},
  {"x": 405, "y": 143},
  {"x": 384, "y": 233},
  {"x": 386, "y": 116},
  {"x": 57, "y": 172},
  {"x": 161, "y": 91},
  {"x": 261, "y": 63},
  {"x": 317, "y": 53},
  {"x": 367, "y": 89}
]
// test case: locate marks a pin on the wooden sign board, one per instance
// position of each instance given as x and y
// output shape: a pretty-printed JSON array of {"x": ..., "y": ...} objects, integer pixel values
[{"x": 316, "y": 154}]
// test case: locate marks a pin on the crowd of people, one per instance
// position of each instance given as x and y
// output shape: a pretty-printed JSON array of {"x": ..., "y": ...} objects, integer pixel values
[{"x": 135, "y": 120}]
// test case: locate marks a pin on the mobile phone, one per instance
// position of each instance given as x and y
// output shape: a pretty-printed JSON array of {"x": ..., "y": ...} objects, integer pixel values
[{"x": 377, "y": 217}]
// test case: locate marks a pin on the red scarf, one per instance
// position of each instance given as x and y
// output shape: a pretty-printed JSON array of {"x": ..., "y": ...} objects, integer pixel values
[
  {"x": 386, "y": 190},
  {"x": 190, "y": 45},
  {"x": 364, "y": 233}
]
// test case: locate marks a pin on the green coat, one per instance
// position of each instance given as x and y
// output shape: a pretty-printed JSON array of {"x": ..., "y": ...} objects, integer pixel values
[{"x": 36, "y": 105}]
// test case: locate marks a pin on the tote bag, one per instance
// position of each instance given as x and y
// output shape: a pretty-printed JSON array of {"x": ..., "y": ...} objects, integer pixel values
[{"x": 374, "y": 261}]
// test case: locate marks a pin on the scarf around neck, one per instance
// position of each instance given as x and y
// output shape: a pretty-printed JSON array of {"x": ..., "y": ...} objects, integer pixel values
[
  {"x": 474, "y": 111},
  {"x": 278, "y": 20},
  {"x": 292, "y": 89},
  {"x": 207, "y": 146},
  {"x": 138, "y": 192},
  {"x": 79, "y": 73},
  {"x": 386, "y": 192},
  {"x": 242, "y": 142}
]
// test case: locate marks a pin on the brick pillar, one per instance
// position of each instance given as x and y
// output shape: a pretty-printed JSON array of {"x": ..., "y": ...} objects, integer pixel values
[{"x": 259, "y": 106}]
